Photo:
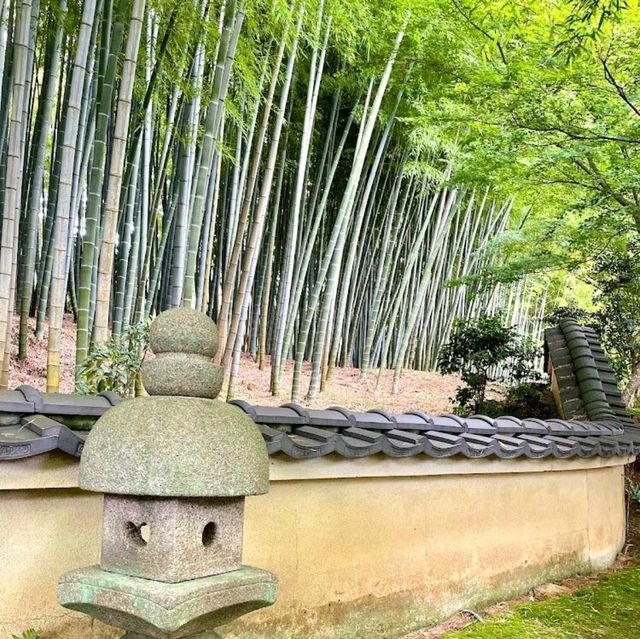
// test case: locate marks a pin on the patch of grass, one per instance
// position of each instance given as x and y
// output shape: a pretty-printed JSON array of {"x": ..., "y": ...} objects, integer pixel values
[{"x": 609, "y": 609}]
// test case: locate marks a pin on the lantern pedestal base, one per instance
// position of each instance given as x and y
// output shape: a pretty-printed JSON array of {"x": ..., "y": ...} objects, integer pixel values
[{"x": 157, "y": 610}]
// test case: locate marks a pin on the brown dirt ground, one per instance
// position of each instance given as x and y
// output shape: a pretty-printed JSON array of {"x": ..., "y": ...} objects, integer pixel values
[
  {"x": 468, "y": 617},
  {"x": 428, "y": 392},
  {"x": 33, "y": 370}
]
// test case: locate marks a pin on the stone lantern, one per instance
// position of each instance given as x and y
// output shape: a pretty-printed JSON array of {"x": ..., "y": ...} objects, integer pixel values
[{"x": 174, "y": 468}]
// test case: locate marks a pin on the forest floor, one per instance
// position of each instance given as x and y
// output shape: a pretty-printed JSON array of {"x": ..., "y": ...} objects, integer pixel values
[
  {"x": 604, "y": 605},
  {"x": 427, "y": 392}
]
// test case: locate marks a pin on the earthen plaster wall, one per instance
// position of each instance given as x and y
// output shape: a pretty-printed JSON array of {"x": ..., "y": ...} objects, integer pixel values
[{"x": 372, "y": 547}]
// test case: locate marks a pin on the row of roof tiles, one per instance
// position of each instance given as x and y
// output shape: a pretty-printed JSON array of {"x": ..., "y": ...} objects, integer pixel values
[
  {"x": 37, "y": 434},
  {"x": 303, "y": 433},
  {"x": 585, "y": 355},
  {"x": 335, "y": 417},
  {"x": 309, "y": 441},
  {"x": 26, "y": 400}
]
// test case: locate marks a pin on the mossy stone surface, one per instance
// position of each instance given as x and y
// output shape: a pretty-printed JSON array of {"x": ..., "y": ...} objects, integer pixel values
[
  {"x": 183, "y": 330},
  {"x": 153, "y": 609},
  {"x": 183, "y": 374},
  {"x": 175, "y": 447}
]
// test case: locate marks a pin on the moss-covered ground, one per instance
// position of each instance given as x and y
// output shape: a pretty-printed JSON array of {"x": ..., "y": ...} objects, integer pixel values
[{"x": 608, "y": 609}]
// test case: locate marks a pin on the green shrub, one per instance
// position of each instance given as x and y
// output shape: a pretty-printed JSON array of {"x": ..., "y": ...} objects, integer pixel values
[
  {"x": 28, "y": 634},
  {"x": 114, "y": 365},
  {"x": 484, "y": 350},
  {"x": 529, "y": 399}
]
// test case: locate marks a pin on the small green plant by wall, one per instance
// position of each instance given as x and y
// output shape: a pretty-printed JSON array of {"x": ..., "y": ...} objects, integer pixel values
[
  {"x": 28, "y": 634},
  {"x": 115, "y": 365}
]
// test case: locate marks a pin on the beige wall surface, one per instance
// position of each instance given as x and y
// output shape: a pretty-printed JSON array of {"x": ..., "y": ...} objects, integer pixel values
[{"x": 361, "y": 550}]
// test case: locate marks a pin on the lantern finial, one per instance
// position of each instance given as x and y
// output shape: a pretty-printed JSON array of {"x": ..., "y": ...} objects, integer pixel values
[{"x": 184, "y": 341}]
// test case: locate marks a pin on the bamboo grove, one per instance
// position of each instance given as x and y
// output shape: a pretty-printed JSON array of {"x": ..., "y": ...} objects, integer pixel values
[{"x": 249, "y": 159}]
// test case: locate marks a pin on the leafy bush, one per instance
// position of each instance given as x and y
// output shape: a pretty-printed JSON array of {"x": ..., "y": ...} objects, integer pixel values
[
  {"x": 569, "y": 312},
  {"x": 484, "y": 350},
  {"x": 529, "y": 399},
  {"x": 28, "y": 634},
  {"x": 114, "y": 365},
  {"x": 617, "y": 274}
]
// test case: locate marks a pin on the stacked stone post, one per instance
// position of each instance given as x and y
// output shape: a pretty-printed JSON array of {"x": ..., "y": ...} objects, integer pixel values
[{"x": 174, "y": 468}]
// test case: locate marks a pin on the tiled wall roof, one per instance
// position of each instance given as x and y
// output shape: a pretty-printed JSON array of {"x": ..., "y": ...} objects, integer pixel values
[
  {"x": 597, "y": 423},
  {"x": 34, "y": 424},
  {"x": 302, "y": 433}
]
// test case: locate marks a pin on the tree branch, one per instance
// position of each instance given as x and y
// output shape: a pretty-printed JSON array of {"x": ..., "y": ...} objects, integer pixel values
[
  {"x": 610, "y": 78},
  {"x": 484, "y": 32},
  {"x": 591, "y": 169},
  {"x": 574, "y": 135}
]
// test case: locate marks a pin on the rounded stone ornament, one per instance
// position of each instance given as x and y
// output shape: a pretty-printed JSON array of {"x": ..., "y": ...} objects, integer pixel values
[
  {"x": 183, "y": 330},
  {"x": 184, "y": 341},
  {"x": 182, "y": 374}
]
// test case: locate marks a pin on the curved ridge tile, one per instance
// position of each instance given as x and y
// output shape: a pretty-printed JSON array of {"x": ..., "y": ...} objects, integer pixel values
[{"x": 592, "y": 393}]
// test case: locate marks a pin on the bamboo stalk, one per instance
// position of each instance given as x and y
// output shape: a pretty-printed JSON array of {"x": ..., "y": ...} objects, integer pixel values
[
  {"x": 112, "y": 205},
  {"x": 12, "y": 191}
]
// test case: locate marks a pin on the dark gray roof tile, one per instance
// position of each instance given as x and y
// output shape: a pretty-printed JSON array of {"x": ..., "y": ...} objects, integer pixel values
[
  {"x": 586, "y": 382},
  {"x": 15, "y": 402},
  {"x": 538, "y": 446},
  {"x": 272, "y": 437},
  {"x": 564, "y": 447},
  {"x": 314, "y": 433},
  {"x": 396, "y": 444},
  {"x": 449, "y": 424},
  {"x": 352, "y": 445},
  {"x": 511, "y": 446},
  {"x": 362, "y": 434},
  {"x": 413, "y": 421},
  {"x": 536, "y": 426},
  {"x": 439, "y": 444},
  {"x": 303, "y": 447},
  {"x": 481, "y": 425}
]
